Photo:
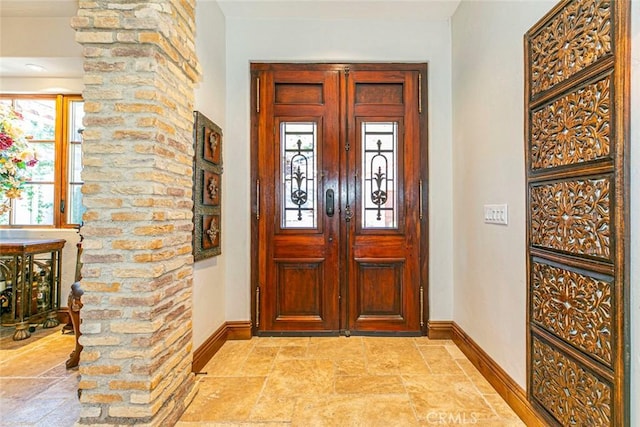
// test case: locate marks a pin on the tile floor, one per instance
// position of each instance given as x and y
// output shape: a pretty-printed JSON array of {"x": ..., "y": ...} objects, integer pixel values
[
  {"x": 356, "y": 381},
  {"x": 35, "y": 387}
]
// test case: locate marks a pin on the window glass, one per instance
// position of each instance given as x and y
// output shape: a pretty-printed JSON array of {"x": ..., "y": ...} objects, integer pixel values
[
  {"x": 379, "y": 180},
  {"x": 35, "y": 207},
  {"x": 39, "y": 118},
  {"x": 53, "y": 126},
  {"x": 299, "y": 174},
  {"x": 45, "y": 169}
]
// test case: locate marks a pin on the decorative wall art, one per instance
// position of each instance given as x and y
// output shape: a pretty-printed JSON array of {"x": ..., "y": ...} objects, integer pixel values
[
  {"x": 207, "y": 190},
  {"x": 577, "y": 121}
]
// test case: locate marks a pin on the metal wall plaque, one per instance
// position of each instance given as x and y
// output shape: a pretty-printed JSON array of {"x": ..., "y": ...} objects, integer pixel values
[{"x": 207, "y": 188}]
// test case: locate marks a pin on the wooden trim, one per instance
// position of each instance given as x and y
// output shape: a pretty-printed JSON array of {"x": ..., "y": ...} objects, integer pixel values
[
  {"x": 506, "y": 387},
  {"x": 237, "y": 330},
  {"x": 440, "y": 329},
  {"x": 207, "y": 349}
]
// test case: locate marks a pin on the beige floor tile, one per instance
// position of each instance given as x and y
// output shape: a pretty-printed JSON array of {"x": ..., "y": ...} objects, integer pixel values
[
  {"x": 449, "y": 395},
  {"x": 350, "y": 366},
  {"x": 36, "y": 363},
  {"x": 24, "y": 388},
  {"x": 365, "y": 411},
  {"x": 299, "y": 381},
  {"x": 301, "y": 377},
  {"x": 64, "y": 386},
  {"x": 230, "y": 424},
  {"x": 420, "y": 341},
  {"x": 455, "y": 352},
  {"x": 224, "y": 399},
  {"x": 281, "y": 341},
  {"x": 394, "y": 356},
  {"x": 501, "y": 407},
  {"x": 229, "y": 359},
  {"x": 44, "y": 411},
  {"x": 291, "y": 352},
  {"x": 440, "y": 361},
  {"x": 259, "y": 362},
  {"x": 335, "y": 348},
  {"x": 476, "y": 377},
  {"x": 273, "y": 408},
  {"x": 380, "y": 384}
]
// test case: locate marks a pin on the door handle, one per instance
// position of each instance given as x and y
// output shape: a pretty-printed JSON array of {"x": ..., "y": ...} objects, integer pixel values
[{"x": 329, "y": 202}]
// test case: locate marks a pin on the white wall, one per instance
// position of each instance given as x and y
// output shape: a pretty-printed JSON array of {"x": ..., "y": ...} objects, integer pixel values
[
  {"x": 329, "y": 41},
  {"x": 488, "y": 152},
  {"x": 209, "y": 274}
]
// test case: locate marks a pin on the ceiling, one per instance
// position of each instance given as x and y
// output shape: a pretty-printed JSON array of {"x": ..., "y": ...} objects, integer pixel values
[
  {"x": 421, "y": 10},
  {"x": 38, "y": 8}
]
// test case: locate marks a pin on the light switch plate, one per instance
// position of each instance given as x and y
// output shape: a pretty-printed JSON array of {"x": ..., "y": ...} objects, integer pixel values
[{"x": 496, "y": 214}]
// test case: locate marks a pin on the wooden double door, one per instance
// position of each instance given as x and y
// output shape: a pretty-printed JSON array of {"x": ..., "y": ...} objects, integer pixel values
[{"x": 339, "y": 166}]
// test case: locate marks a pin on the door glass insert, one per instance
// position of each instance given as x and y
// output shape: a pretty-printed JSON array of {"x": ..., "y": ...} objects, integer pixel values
[
  {"x": 299, "y": 174},
  {"x": 379, "y": 178}
]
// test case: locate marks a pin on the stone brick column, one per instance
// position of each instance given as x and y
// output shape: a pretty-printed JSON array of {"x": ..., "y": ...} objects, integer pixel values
[{"x": 140, "y": 70}]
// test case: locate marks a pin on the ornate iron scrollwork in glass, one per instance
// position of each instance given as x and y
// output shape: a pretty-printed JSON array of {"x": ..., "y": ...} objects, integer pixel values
[
  {"x": 379, "y": 177},
  {"x": 299, "y": 172}
]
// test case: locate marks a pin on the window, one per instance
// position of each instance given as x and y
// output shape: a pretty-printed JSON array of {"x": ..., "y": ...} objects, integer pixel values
[{"x": 52, "y": 196}]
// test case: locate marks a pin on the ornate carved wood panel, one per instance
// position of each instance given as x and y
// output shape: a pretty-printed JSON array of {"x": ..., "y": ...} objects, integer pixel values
[
  {"x": 576, "y": 37},
  {"x": 577, "y": 190},
  {"x": 574, "y": 306},
  {"x": 572, "y": 216},
  {"x": 574, "y": 128},
  {"x": 574, "y": 395}
]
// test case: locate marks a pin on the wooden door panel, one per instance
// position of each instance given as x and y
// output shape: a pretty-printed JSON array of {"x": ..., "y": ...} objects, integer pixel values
[
  {"x": 379, "y": 93},
  {"x": 299, "y": 289},
  {"x": 385, "y": 134},
  {"x": 299, "y": 265},
  {"x": 380, "y": 289},
  {"x": 299, "y": 93}
]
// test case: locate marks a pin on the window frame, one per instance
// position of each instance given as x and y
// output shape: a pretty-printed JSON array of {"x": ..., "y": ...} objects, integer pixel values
[{"x": 61, "y": 151}]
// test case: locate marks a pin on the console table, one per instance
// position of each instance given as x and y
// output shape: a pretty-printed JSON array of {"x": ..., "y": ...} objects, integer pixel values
[{"x": 30, "y": 283}]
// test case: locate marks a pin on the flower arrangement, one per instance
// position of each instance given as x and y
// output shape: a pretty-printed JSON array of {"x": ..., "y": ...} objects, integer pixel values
[{"x": 15, "y": 155}]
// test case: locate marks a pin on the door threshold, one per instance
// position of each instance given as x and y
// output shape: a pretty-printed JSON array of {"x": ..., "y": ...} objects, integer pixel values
[
  {"x": 386, "y": 333},
  {"x": 298, "y": 333},
  {"x": 346, "y": 333}
]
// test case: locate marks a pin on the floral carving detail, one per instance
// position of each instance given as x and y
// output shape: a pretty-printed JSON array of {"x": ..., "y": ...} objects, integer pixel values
[
  {"x": 213, "y": 231},
  {"x": 567, "y": 390},
  {"x": 213, "y": 188},
  {"x": 572, "y": 216},
  {"x": 214, "y": 141},
  {"x": 575, "y": 38},
  {"x": 575, "y": 307},
  {"x": 572, "y": 129}
]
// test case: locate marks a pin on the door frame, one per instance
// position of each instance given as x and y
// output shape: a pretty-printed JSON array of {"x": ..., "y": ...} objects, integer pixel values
[{"x": 256, "y": 105}]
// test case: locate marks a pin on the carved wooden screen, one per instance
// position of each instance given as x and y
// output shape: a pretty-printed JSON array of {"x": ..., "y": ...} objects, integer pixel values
[{"x": 576, "y": 62}]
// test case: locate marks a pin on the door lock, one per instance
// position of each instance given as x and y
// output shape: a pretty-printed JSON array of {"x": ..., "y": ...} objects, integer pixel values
[{"x": 329, "y": 202}]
